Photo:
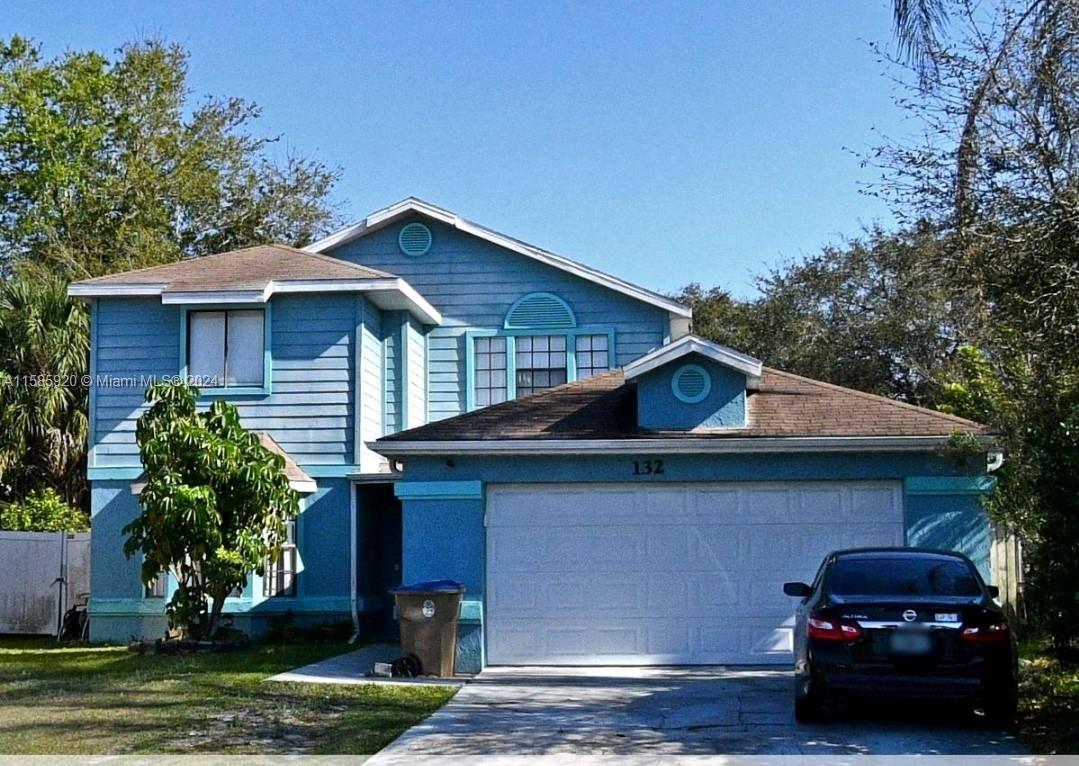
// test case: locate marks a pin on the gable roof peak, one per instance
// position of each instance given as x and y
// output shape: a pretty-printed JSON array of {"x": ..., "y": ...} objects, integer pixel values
[
  {"x": 695, "y": 344},
  {"x": 414, "y": 205}
]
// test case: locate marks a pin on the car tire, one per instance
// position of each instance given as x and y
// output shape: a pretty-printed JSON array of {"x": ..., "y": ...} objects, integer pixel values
[
  {"x": 809, "y": 708},
  {"x": 1001, "y": 712}
]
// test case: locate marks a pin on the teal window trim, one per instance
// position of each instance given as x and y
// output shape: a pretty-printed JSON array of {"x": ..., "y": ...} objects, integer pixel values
[
  {"x": 267, "y": 356},
  {"x": 949, "y": 485},
  {"x": 438, "y": 490},
  {"x": 511, "y": 355}
]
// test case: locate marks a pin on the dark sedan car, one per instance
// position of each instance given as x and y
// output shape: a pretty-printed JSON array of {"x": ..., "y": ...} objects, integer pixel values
[{"x": 902, "y": 623}]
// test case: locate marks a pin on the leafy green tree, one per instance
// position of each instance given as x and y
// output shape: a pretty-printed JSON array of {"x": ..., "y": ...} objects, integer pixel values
[
  {"x": 107, "y": 165},
  {"x": 215, "y": 504},
  {"x": 44, "y": 342},
  {"x": 43, "y": 511},
  {"x": 864, "y": 314},
  {"x": 997, "y": 101}
]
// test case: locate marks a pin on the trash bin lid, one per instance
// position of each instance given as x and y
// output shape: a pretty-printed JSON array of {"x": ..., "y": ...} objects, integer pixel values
[{"x": 431, "y": 586}]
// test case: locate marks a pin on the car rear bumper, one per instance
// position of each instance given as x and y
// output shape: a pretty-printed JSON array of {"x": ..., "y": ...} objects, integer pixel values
[{"x": 899, "y": 685}]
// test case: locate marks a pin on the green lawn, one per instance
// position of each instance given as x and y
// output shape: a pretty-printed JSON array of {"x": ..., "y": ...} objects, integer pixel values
[
  {"x": 98, "y": 700},
  {"x": 1049, "y": 705}
]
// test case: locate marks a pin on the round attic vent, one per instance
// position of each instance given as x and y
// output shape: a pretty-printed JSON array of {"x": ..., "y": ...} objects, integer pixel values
[
  {"x": 691, "y": 384},
  {"x": 414, "y": 239}
]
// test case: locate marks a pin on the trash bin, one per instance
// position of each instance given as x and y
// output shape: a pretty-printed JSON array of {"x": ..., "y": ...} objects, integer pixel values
[{"x": 427, "y": 612}]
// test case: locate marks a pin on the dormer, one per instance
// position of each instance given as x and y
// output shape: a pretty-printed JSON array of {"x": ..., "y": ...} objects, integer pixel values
[{"x": 693, "y": 384}]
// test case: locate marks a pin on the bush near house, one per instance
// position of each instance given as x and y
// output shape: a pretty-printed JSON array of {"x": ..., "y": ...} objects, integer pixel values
[
  {"x": 43, "y": 511},
  {"x": 1049, "y": 703}
]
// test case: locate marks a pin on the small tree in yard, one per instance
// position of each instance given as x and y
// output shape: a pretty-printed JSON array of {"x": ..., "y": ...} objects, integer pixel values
[{"x": 215, "y": 504}]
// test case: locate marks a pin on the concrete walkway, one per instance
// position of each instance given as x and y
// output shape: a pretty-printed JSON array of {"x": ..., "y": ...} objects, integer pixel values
[
  {"x": 673, "y": 711},
  {"x": 353, "y": 667}
]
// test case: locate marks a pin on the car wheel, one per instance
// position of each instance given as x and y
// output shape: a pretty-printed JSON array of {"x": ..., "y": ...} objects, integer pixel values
[
  {"x": 1001, "y": 711},
  {"x": 809, "y": 707}
]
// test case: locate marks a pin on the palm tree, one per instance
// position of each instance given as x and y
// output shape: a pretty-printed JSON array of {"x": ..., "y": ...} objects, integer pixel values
[{"x": 44, "y": 346}]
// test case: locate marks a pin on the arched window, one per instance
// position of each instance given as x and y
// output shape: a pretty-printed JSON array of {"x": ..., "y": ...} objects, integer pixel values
[
  {"x": 540, "y": 346},
  {"x": 540, "y": 311}
]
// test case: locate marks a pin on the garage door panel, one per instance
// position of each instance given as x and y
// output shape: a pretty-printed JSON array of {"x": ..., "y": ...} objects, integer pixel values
[{"x": 665, "y": 574}]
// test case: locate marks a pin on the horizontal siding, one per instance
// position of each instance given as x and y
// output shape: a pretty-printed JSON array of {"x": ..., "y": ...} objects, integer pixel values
[
  {"x": 371, "y": 388},
  {"x": 474, "y": 283},
  {"x": 417, "y": 378},
  {"x": 310, "y": 410},
  {"x": 136, "y": 338},
  {"x": 391, "y": 339}
]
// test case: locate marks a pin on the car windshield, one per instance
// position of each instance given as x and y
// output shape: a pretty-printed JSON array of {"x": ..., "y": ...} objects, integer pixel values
[{"x": 902, "y": 576}]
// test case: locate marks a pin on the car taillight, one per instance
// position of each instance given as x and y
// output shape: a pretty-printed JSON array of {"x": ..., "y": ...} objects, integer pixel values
[
  {"x": 985, "y": 634},
  {"x": 829, "y": 629}
]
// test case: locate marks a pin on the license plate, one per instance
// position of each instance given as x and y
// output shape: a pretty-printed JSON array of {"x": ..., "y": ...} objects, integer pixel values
[{"x": 910, "y": 642}]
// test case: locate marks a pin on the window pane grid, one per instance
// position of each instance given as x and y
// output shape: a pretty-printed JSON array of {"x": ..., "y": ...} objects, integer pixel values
[
  {"x": 541, "y": 363},
  {"x": 593, "y": 355},
  {"x": 490, "y": 383}
]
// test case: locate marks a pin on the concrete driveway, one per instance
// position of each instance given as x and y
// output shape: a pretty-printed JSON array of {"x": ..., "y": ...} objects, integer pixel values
[{"x": 684, "y": 711}]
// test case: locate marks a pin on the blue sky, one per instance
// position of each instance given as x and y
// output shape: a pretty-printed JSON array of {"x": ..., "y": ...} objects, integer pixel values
[{"x": 667, "y": 143}]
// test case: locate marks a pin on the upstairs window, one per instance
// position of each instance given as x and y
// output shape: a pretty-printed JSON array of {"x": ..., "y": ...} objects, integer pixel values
[
  {"x": 490, "y": 382},
  {"x": 539, "y": 346},
  {"x": 593, "y": 355},
  {"x": 225, "y": 349},
  {"x": 541, "y": 363}
]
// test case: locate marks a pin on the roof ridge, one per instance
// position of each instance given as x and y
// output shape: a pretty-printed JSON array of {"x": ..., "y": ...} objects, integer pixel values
[
  {"x": 330, "y": 259},
  {"x": 877, "y": 397}
]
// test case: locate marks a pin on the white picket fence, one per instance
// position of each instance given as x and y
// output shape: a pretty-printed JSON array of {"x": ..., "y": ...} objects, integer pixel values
[{"x": 41, "y": 576}]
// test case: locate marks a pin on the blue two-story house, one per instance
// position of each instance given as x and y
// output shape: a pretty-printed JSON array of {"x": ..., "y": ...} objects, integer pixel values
[{"x": 455, "y": 403}]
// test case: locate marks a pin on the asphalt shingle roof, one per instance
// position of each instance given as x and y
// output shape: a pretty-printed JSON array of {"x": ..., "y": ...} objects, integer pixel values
[
  {"x": 251, "y": 268},
  {"x": 605, "y": 407}
]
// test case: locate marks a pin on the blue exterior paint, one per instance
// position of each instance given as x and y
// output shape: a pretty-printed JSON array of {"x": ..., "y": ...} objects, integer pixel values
[
  {"x": 310, "y": 412},
  {"x": 474, "y": 283},
  {"x": 658, "y": 408},
  {"x": 432, "y": 501},
  {"x": 432, "y": 552},
  {"x": 344, "y": 373}
]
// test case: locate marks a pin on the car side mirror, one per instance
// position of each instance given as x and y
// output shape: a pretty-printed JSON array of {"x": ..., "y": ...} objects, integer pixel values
[
  {"x": 796, "y": 589},
  {"x": 992, "y": 590}
]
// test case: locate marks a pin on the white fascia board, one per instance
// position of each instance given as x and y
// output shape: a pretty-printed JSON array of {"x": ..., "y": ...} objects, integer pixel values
[
  {"x": 410, "y": 206},
  {"x": 691, "y": 344},
  {"x": 180, "y": 297},
  {"x": 672, "y": 446},
  {"x": 92, "y": 290},
  {"x": 302, "y": 486},
  {"x": 405, "y": 295}
]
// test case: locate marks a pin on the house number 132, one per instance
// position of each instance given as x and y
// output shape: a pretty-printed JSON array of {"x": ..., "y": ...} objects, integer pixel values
[{"x": 647, "y": 467}]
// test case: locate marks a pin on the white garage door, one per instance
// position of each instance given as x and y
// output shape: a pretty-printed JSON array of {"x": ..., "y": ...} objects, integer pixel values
[{"x": 615, "y": 574}]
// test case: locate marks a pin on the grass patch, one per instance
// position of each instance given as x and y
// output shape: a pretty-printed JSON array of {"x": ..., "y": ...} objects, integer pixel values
[
  {"x": 1049, "y": 704},
  {"x": 104, "y": 700}
]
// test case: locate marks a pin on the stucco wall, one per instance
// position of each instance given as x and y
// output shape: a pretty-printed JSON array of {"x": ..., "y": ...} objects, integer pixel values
[{"x": 724, "y": 407}]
